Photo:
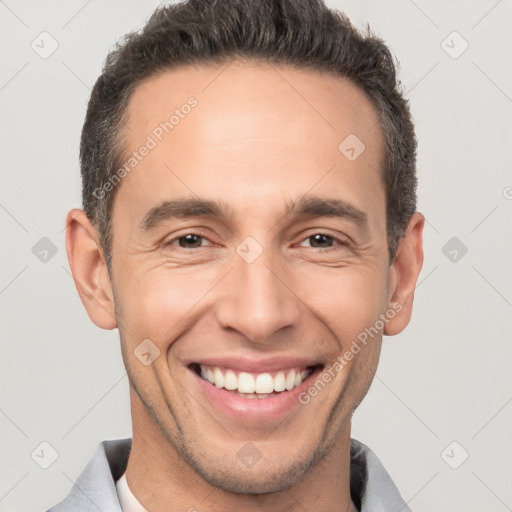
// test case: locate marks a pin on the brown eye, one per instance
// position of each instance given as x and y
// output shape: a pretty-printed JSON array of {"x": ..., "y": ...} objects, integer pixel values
[
  {"x": 320, "y": 240},
  {"x": 190, "y": 241},
  {"x": 323, "y": 241}
]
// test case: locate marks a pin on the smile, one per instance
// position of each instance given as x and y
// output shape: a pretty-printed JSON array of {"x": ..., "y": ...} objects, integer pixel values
[
  {"x": 254, "y": 385},
  {"x": 251, "y": 391}
]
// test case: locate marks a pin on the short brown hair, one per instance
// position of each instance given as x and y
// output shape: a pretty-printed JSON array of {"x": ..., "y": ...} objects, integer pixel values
[{"x": 301, "y": 33}]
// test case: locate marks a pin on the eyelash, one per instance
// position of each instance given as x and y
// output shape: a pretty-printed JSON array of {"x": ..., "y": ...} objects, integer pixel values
[{"x": 337, "y": 240}]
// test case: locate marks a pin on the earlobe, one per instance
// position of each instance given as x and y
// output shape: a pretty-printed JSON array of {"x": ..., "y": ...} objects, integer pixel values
[
  {"x": 89, "y": 269},
  {"x": 404, "y": 273}
]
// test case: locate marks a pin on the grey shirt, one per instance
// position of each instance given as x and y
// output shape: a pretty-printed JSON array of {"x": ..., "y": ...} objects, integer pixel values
[{"x": 371, "y": 487}]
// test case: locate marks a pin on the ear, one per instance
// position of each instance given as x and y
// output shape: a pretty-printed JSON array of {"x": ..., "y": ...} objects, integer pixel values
[
  {"x": 403, "y": 275},
  {"x": 89, "y": 269}
]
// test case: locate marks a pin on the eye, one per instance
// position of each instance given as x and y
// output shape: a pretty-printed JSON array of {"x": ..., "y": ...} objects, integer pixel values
[
  {"x": 323, "y": 241},
  {"x": 188, "y": 241},
  {"x": 316, "y": 241}
]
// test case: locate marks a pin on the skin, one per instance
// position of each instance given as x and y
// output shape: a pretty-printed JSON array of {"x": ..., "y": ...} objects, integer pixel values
[{"x": 260, "y": 136}]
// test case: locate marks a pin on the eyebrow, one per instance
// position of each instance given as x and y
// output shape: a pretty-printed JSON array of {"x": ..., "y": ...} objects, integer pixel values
[
  {"x": 314, "y": 206},
  {"x": 187, "y": 207},
  {"x": 305, "y": 206}
]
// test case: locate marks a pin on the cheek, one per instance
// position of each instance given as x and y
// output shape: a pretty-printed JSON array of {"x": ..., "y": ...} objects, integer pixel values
[
  {"x": 346, "y": 300},
  {"x": 159, "y": 303}
]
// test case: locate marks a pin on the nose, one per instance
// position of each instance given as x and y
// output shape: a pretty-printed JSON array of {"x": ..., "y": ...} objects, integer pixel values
[{"x": 257, "y": 300}]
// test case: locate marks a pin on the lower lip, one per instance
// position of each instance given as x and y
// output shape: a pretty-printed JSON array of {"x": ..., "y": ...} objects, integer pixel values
[{"x": 273, "y": 407}]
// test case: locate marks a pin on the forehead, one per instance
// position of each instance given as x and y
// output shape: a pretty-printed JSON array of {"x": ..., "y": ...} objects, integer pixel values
[
  {"x": 256, "y": 129},
  {"x": 255, "y": 98}
]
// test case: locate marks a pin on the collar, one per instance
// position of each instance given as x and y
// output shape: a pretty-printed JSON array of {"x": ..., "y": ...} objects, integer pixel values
[{"x": 371, "y": 487}]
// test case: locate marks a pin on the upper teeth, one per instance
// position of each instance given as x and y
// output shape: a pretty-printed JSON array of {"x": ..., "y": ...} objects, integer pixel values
[{"x": 261, "y": 383}]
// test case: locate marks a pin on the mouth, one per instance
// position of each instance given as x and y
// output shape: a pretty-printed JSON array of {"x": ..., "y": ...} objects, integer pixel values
[{"x": 254, "y": 385}]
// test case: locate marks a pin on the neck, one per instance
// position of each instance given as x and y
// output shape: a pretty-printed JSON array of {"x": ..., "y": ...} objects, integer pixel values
[{"x": 162, "y": 481}]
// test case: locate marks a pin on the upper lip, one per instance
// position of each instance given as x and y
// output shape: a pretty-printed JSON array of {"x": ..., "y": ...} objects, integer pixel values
[{"x": 252, "y": 365}]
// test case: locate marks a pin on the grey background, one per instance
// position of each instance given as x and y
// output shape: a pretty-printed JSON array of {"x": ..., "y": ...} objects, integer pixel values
[{"x": 446, "y": 378}]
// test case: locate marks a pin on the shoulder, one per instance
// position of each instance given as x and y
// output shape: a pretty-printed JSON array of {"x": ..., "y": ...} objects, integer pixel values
[
  {"x": 371, "y": 486},
  {"x": 95, "y": 487}
]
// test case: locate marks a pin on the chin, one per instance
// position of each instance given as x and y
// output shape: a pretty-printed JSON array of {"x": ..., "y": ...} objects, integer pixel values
[
  {"x": 264, "y": 477},
  {"x": 253, "y": 481}
]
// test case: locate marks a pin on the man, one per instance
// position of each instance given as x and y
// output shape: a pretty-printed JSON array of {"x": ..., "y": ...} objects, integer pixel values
[{"x": 249, "y": 226}]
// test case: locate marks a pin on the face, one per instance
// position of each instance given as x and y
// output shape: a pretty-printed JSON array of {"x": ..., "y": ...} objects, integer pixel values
[{"x": 249, "y": 253}]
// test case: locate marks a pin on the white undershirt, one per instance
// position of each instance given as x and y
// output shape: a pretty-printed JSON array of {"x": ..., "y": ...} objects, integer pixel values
[{"x": 129, "y": 503}]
